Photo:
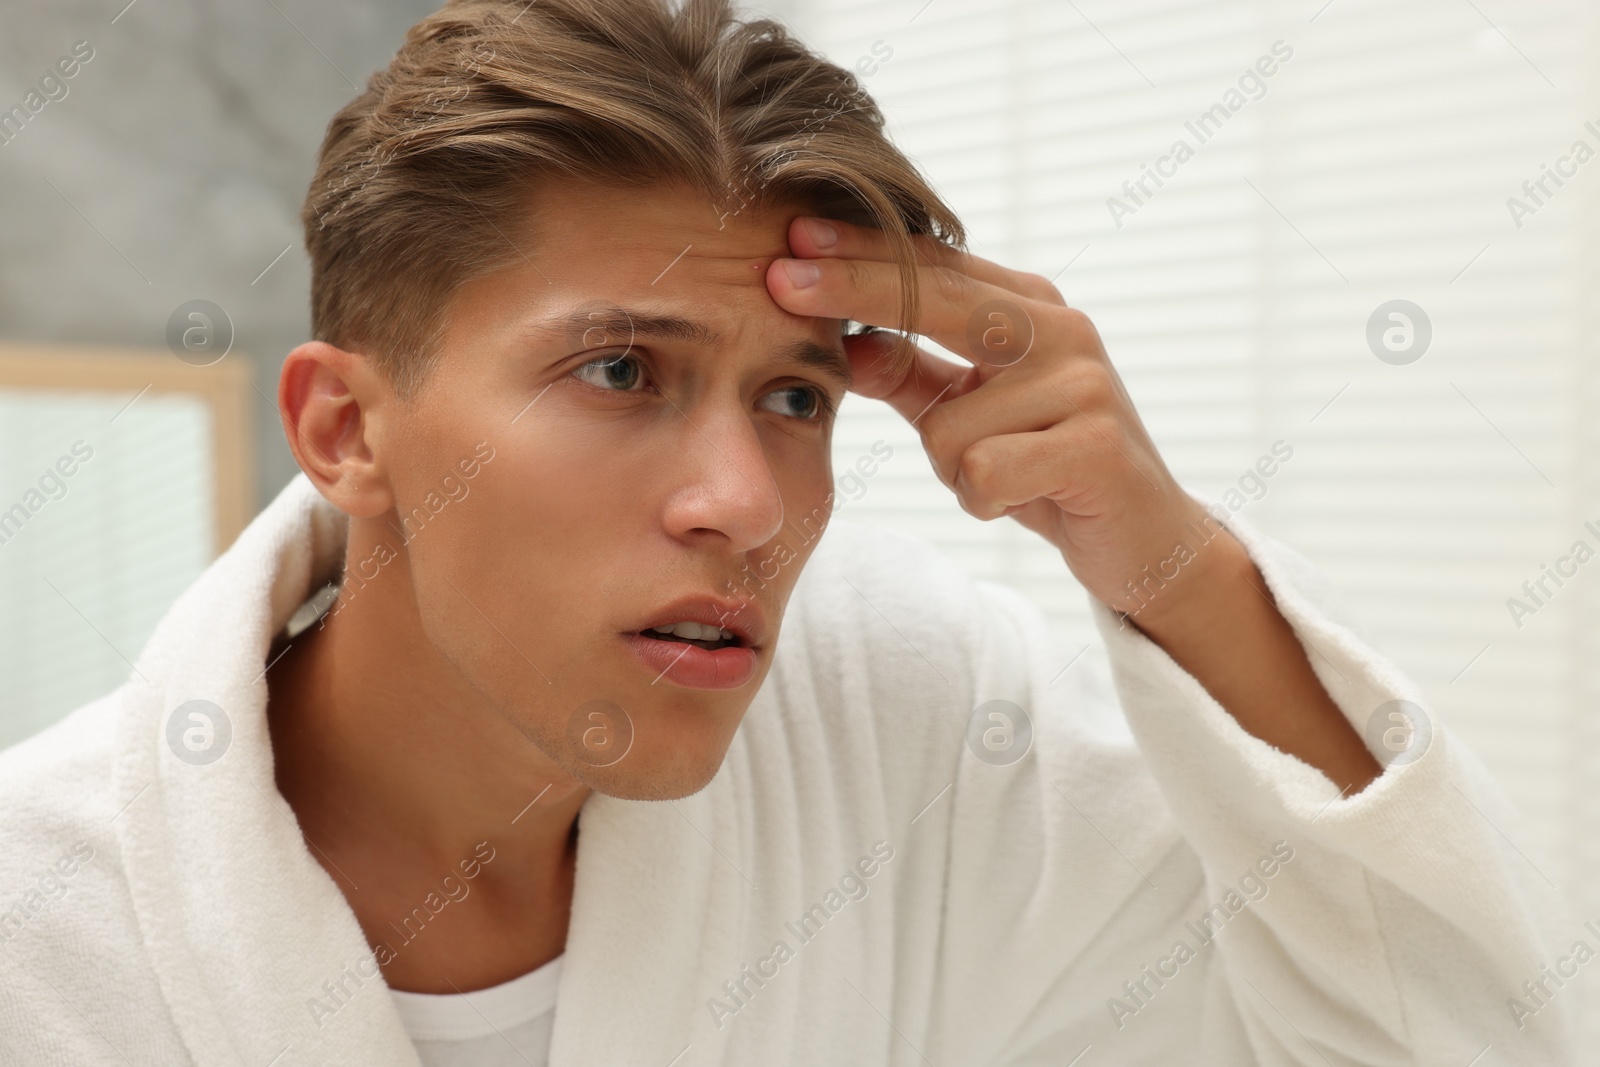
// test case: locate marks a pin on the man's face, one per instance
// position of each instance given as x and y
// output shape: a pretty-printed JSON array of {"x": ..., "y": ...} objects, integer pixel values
[{"x": 659, "y": 431}]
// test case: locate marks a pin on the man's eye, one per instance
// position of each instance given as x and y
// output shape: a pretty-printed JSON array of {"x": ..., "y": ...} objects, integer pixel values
[
  {"x": 617, "y": 372},
  {"x": 809, "y": 403},
  {"x": 622, "y": 372}
]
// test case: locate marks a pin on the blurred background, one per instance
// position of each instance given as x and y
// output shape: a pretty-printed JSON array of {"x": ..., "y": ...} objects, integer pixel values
[{"x": 1362, "y": 232}]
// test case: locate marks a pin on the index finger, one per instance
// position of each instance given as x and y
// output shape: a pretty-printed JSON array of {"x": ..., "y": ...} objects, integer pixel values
[
  {"x": 990, "y": 327},
  {"x": 817, "y": 238}
]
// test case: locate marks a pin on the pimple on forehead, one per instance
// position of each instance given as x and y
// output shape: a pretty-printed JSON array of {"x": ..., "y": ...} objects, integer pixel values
[{"x": 737, "y": 266}]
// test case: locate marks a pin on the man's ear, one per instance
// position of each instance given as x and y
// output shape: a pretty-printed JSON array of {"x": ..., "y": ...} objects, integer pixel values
[{"x": 328, "y": 398}]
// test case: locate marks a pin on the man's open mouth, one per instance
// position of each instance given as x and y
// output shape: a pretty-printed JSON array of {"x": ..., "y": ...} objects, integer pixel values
[{"x": 694, "y": 633}]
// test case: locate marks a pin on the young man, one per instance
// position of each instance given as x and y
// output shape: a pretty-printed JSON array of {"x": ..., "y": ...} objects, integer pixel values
[{"x": 541, "y": 783}]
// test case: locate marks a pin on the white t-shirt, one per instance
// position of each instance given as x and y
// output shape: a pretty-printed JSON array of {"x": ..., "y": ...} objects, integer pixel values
[{"x": 507, "y": 1025}]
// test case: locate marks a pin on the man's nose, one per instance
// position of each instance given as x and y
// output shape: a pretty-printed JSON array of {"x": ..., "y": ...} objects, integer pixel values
[{"x": 725, "y": 483}]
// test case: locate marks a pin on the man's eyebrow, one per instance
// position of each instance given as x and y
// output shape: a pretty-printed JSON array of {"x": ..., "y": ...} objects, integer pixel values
[
  {"x": 830, "y": 361},
  {"x": 622, "y": 326}
]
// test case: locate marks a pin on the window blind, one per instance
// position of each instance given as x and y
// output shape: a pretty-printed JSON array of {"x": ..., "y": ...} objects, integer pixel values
[{"x": 106, "y": 516}]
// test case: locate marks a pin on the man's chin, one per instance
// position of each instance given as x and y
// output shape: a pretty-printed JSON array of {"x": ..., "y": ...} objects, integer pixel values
[
  {"x": 673, "y": 752},
  {"x": 665, "y": 751}
]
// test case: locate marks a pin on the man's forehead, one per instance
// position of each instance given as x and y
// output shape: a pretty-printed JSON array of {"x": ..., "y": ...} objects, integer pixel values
[
  {"x": 600, "y": 266},
  {"x": 661, "y": 236},
  {"x": 666, "y": 259}
]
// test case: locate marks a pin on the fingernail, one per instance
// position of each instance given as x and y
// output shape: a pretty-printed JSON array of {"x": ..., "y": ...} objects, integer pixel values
[
  {"x": 822, "y": 234},
  {"x": 802, "y": 275}
]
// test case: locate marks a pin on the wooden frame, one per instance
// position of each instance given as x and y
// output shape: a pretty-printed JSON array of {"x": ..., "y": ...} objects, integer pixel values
[{"x": 225, "y": 387}]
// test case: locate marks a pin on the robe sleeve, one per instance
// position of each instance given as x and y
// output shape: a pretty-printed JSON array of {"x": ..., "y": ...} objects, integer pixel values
[{"x": 1135, "y": 878}]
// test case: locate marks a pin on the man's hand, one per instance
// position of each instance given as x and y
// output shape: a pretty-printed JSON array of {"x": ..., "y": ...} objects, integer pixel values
[{"x": 1039, "y": 427}]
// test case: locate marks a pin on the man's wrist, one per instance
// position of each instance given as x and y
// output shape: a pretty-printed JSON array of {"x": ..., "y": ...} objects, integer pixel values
[{"x": 1208, "y": 589}]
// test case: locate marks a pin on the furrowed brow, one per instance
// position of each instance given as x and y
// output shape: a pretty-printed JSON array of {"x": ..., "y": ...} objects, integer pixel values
[
  {"x": 620, "y": 325},
  {"x": 829, "y": 361}
]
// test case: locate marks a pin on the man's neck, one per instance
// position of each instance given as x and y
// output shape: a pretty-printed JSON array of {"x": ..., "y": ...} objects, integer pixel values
[{"x": 403, "y": 779}]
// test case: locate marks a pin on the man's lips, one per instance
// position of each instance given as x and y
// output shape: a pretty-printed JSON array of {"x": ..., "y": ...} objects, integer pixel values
[
  {"x": 692, "y": 666},
  {"x": 742, "y": 618}
]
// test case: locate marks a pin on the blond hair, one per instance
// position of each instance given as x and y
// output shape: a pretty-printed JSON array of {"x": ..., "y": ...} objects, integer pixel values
[{"x": 421, "y": 178}]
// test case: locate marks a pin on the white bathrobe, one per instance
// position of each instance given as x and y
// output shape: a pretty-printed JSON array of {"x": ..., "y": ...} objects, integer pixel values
[{"x": 1106, "y": 897}]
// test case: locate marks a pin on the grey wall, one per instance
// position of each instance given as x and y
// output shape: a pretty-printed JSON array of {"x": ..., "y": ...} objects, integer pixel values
[{"x": 174, "y": 167}]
